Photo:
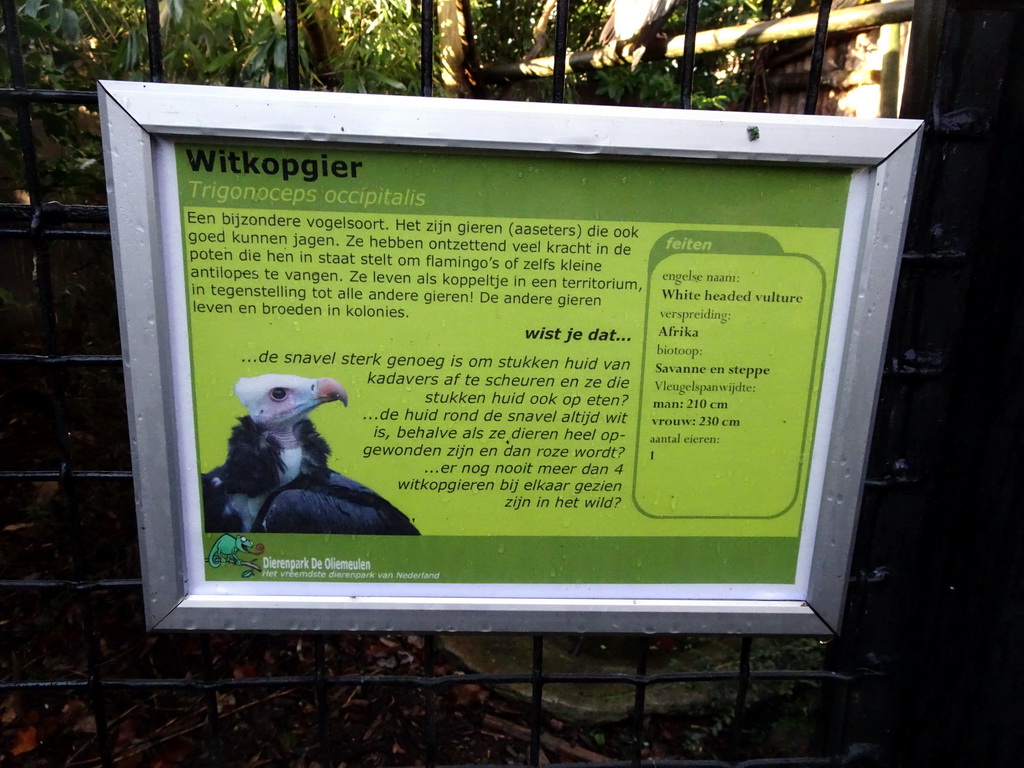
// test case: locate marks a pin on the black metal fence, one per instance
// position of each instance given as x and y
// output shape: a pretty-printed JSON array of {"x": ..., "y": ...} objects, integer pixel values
[{"x": 935, "y": 600}]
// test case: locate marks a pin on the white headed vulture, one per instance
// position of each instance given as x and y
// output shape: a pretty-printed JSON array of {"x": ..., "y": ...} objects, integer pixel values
[{"x": 276, "y": 479}]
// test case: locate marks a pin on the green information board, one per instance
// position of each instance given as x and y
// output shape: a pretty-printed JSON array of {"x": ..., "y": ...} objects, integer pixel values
[
  {"x": 412, "y": 369},
  {"x": 555, "y": 360}
]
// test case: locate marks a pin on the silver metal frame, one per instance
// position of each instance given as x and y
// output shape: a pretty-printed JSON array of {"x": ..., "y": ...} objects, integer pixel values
[{"x": 880, "y": 154}]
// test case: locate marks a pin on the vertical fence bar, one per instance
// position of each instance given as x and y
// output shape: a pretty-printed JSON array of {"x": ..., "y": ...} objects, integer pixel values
[
  {"x": 817, "y": 58},
  {"x": 155, "y": 45},
  {"x": 28, "y": 153},
  {"x": 639, "y": 700},
  {"x": 426, "y": 48},
  {"x": 536, "y": 698},
  {"x": 742, "y": 688},
  {"x": 322, "y": 711},
  {"x": 561, "y": 47},
  {"x": 291, "y": 33},
  {"x": 689, "y": 55},
  {"x": 430, "y": 738},
  {"x": 212, "y": 711}
]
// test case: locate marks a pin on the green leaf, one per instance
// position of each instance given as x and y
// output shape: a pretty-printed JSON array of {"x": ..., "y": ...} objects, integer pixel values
[
  {"x": 56, "y": 13},
  {"x": 388, "y": 81},
  {"x": 280, "y": 54},
  {"x": 176, "y": 8},
  {"x": 32, "y": 7},
  {"x": 71, "y": 27},
  {"x": 221, "y": 62}
]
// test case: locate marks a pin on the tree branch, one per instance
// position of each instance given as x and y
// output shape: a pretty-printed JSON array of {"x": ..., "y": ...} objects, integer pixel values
[
  {"x": 547, "y": 740},
  {"x": 316, "y": 22},
  {"x": 540, "y": 32},
  {"x": 459, "y": 62},
  {"x": 846, "y": 20}
]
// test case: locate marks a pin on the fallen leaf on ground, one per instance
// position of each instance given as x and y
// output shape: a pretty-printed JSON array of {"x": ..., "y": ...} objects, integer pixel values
[{"x": 25, "y": 740}]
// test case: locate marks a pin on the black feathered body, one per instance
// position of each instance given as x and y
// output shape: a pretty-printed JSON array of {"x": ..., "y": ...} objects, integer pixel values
[
  {"x": 337, "y": 505},
  {"x": 263, "y": 486}
]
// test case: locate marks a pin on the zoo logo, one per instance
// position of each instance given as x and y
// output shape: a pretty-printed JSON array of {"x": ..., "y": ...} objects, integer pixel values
[{"x": 227, "y": 549}]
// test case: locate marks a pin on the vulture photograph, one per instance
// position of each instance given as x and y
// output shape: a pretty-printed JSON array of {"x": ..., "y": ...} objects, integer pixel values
[{"x": 275, "y": 478}]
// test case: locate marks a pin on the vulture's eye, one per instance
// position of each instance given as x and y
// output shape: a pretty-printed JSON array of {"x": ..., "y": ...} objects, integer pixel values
[{"x": 278, "y": 394}]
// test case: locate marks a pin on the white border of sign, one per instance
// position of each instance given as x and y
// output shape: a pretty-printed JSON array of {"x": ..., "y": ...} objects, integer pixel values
[{"x": 139, "y": 121}]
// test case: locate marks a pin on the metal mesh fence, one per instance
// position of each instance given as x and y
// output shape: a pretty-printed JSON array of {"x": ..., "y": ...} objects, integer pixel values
[{"x": 83, "y": 683}]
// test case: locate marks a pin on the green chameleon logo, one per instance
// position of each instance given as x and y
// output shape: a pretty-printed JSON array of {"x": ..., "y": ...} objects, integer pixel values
[{"x": 227, "y": 548}]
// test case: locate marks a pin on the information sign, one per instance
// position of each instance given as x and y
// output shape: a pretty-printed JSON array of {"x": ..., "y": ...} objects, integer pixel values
[{"x": 590, "y": 369}]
